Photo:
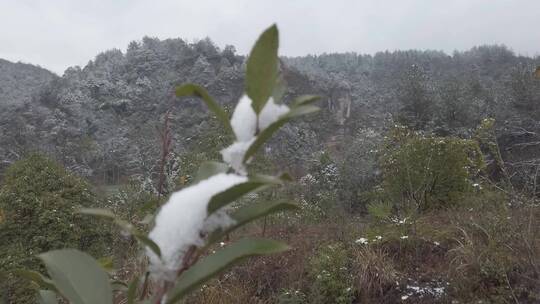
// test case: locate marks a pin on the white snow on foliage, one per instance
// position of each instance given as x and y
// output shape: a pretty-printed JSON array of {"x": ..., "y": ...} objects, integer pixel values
[
  {"x": 362, "y": 241},
  {"x": 234, "y": 155},
  {"x": 183, "y": 219},
  {"x": 270, "y": 113},
  {"x": 244, "y": 120},
  {"x": 244, "y": 125}
]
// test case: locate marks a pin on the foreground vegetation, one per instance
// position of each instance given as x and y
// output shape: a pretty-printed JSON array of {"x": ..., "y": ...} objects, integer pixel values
[
  {"x": 485, "y": 254},
  {"x": 459, "y": 236}
]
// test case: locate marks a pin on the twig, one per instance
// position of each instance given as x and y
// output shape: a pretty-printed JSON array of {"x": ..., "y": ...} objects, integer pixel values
[{"x": 166, "y": 140}]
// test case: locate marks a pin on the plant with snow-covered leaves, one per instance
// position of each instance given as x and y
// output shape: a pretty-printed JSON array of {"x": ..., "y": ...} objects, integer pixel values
[
  {"x": 246, "y": 124},
  {"x": 183, "y": 222},
  {"x": 197, "y": 217}
]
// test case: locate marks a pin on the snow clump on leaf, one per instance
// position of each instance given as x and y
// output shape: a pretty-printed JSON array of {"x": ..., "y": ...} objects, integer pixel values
[
  {"x": 245, "y": 125},
  {"x": 183, "y": 222}
]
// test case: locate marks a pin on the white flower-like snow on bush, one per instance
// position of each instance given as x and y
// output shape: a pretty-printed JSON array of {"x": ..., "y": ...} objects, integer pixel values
[
  {"x": 270, "y": 113},
  {"x": 234, "y": 155},
  {"x": 244, "y": 120},
  {"x": 361, "y": 241},
  {"x": 245, "y": 125},
  {"x": 183, "y": 221}
]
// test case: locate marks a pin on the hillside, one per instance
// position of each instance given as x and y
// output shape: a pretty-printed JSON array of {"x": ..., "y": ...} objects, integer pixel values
[
  {"x": 415, "y": 183},
  {"x": 100, "y": 120},
  {"x": 19, "y": 81}
]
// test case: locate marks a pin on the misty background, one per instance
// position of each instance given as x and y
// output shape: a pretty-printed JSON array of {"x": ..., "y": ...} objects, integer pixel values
[{"x": 61, "y": 33}]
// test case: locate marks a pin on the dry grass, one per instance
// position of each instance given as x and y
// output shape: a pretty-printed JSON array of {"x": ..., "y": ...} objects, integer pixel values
[
  {"x": 224, "y": 293},
  {"x": 489, "y": 255},
  {"x": 374, "y": 272},
  {"x": 497, "y": 257}
]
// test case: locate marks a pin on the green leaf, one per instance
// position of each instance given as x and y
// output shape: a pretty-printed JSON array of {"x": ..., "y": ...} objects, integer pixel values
[
  {"x": 109, "y": 215},
  {"x": 47, "y": 297},
  {"x": 195, "y": 90},
  {"x": 267, "y": 133},
  {"x": 210, "y": 168},
  {"x": 147, "y": 219},
  {"x": 36, "y": 277},
  {"x": 106, "y": 263},
  {"x": 286, "y": 177},
  {"x": 78, "y": 276},
  {"x": 262, "y": 68},
  {"x": 252, "y": 212},
  {"x": 148, "y": 242},
  {"x": 141, "y": 237},
  {"x": 118, "y": 285},
  {"x": 228, "y": 196},
  {"x": 304, "y": 100},
  {"x": 279, "y": 89},
  {"x": 105, "y": 213},
  {"x": 147, "y": 208},
  {"x": 249, "y": 213},
  {"x": 128, "y": 227},
  {"x": 224, "y": 258},
  {"x": 132, "y": 290}
]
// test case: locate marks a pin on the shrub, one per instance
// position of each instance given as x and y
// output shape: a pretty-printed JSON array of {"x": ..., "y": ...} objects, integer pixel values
[
  {"x": 38, "y": 199},
  {"x": 319, "y": 189},
  {"x": 358, "y": 170},
  {"x": 332, "y": 282},
  {"x": 130, "y": 201},
  {"x": 485, "y": 135},
  {"x": 428, "y": 172}
]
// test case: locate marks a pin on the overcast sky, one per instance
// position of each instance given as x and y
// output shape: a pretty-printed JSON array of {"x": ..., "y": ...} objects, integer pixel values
[{"x": 56, "y": 34}]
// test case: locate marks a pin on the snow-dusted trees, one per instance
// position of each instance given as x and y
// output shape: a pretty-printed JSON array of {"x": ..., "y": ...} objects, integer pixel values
[
  {"x": 454, "y": 107},
  {"x": 197, "y": 217},
  {"x": 525, "y": 89},
  {"x": 415, "y": 97}
]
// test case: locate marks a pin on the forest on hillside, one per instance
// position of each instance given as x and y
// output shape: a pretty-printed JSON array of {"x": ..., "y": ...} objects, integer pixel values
[
  {"x": 412, "y": 177},
  {"x": 99, "y": 121}
]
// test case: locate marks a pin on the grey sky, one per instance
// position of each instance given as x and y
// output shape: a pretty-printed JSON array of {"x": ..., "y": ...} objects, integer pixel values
[{"x": 60, "y": 33}]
